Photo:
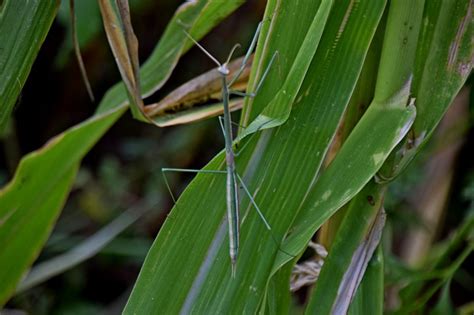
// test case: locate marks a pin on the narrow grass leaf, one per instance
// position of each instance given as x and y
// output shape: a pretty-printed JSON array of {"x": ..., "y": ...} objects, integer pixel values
[
  {"x": 370, "y": 296},
  {"x": 351, "y": 169},
  {"x": 278, "y": 110},
  {"x": 444, "y": 60},
  {"x": 348, "y": 257}
]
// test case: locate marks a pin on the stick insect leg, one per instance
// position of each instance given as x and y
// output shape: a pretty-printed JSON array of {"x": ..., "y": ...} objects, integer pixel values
[
  {"x": 221, "y": 123},
  {"x": 267, "y": 225},
  {"x": 260, "y": 83},
  {"x": 232, "y": 122},
  {"x": 260, "y": 214},
  {"x": 235, "y": 144},
  {"x": 184, "y": 170},
  {"x": 237, "y": 153},
  {"x": 247, "y": 55},
  {"x": 187, "y": 170},
  {"x": 236, "y": 46}
]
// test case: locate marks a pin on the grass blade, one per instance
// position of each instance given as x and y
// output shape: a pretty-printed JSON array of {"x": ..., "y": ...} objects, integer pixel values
[
  {"x": 333, "y": 292},
  {"x": 23, "y": 29}
]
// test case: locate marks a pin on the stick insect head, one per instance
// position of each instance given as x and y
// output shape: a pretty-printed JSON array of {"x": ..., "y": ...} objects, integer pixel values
[{"x": 223, "y": 69}]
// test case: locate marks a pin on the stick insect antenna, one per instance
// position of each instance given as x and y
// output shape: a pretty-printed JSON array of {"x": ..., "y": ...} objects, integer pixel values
[
  {"x": 236, "y": 46},
  {"x": 203, "y": 49}
]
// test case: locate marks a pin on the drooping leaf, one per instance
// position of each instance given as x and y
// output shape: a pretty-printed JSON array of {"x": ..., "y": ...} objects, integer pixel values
[
  {"x": 278, "y": 110},
  {"x": 31, "y": 202},
  {"x": 187, "y": 103}
]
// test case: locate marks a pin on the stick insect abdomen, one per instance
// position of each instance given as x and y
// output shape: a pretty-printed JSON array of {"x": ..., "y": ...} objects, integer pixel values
[{"x": 232, "y": 188}]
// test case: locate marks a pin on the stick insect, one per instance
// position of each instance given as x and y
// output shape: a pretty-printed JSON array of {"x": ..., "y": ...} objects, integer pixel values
[{"x": 233, "y": 178}]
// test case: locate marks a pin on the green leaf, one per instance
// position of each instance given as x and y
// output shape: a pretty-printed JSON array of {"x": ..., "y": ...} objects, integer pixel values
[
  {"x": 370, "y": 295},
  {"x": 344, "y": 267},
  {"x": 444, "y": 60},
  {"x": 357, "y": 162},
  {"x": 278, "y": 110},
  {"x": 334, "y": 289},
  {"x": 85, "y": 250},
  {"x": 278, "y": 293},
  {"x": 31, "y": 202},
  {"x": 23, "y": 29}
]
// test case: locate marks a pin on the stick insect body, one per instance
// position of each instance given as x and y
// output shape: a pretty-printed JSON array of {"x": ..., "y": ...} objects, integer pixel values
[{"x": 233, "y": 178}]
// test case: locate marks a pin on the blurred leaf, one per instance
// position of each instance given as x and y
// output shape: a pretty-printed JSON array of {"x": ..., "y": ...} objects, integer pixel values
[
  {"x": 438, "y": 269},
  {"x": 466, "y": 309},
  {"x": 23, "y": 29},
  {"x": 87, "y": 249},
  {"x": 89, "y": 23},
  {"x": 31, "y": 202},
  {"x": 444, "y": 306},
  {"x": 77, "y": 50}
]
